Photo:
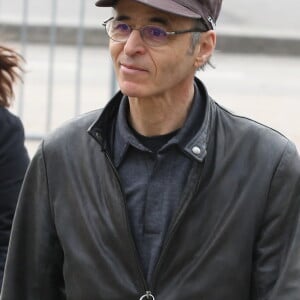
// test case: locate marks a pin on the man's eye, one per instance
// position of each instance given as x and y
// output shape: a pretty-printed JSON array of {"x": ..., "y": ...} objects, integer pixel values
[
  {"x": 156, "y": 32},
  {"x": 122, "y": 27}
]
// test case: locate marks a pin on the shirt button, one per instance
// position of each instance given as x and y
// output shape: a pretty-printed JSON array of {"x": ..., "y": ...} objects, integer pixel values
[{"x": 196, "y": 150}]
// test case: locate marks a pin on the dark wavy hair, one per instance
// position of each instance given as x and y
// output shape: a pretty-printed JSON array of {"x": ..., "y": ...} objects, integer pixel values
[{"x": 10, "y": 71}]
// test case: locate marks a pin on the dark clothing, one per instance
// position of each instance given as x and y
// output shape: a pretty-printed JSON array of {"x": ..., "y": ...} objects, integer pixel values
[
  {"x": 235, "y": 234},
  {"x": 154, "y": 143},
  {"x": 153, "y": 183},
  {"x": 13, "y": 163}
]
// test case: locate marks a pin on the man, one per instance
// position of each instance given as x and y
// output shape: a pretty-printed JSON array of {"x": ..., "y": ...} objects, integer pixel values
[{"x": 164, "y": 194}]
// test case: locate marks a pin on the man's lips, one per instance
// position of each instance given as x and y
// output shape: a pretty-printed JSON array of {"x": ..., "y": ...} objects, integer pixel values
[{"x": 132, "y": 68}]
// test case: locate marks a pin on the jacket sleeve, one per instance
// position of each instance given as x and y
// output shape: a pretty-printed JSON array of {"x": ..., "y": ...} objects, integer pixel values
[
  {"x": 276, "y": 274},
  {"x": 33, "y": 269},
  {"x": 13, "y": 164}
]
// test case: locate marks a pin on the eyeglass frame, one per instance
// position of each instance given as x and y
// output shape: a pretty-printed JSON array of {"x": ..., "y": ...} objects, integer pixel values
[{"x": 168, "y": 33}]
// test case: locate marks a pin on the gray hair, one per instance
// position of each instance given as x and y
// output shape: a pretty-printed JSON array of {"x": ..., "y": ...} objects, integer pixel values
[{"x": 195, "y": 39}]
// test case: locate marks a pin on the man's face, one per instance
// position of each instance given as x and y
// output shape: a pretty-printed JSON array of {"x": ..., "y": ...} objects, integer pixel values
[{"x": 145, "y": 71}]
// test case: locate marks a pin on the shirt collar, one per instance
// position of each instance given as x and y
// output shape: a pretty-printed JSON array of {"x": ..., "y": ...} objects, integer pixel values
[
  {"x": 191, "y": 138},
  {"x": 124, "y": 137}
]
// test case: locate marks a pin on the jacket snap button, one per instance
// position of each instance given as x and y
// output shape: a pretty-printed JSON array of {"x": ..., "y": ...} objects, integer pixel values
[
  {"x": 196, "y": 150},
  {"x": 147, "y": 296}
]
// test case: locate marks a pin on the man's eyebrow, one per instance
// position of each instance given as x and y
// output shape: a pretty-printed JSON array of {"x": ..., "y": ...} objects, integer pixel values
[
  {"x": 121, "y": 18},
  {"x": 158, "y": 20}
]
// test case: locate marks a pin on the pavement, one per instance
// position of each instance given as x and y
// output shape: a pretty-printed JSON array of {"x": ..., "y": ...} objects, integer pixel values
[
  {"x": 256, "y": 26},
  {"x": 263, "y": 87},
  {"x": 257, "y": 62}
]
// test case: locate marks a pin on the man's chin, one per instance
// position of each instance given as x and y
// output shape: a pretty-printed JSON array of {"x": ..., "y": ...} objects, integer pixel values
[{"x": 132, "y": 90}]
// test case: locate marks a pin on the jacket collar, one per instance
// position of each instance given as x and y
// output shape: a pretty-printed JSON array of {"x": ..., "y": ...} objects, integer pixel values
[{"x": 195, "y": 145}]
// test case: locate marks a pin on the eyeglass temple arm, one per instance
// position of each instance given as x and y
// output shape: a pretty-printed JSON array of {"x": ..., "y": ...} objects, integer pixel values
[{"x": 106, "y": 21}]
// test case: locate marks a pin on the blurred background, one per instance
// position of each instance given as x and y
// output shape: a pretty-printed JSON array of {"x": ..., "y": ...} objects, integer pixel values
[{"x": 69, "y": 71}]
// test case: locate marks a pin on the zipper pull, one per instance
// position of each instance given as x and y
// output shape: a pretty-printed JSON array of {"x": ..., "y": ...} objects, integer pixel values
[{"x": 147, "y": 296}]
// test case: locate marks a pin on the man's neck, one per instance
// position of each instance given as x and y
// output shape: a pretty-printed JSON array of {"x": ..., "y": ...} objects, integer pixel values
[{"x": 160, "y": 115}]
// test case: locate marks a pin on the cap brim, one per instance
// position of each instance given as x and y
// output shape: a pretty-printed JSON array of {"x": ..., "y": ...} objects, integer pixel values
[
  {"x": 105, "y": 3},
  {"x": 167, "y": 6}
]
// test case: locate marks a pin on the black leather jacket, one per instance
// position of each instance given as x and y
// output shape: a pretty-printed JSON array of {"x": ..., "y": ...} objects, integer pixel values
[{"x": 235, "y": 237}]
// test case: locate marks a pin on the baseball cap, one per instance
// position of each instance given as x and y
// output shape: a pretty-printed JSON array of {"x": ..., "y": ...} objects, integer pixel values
[{"x": 208, "y": 10}]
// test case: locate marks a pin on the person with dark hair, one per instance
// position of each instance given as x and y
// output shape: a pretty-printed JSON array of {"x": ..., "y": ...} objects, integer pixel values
[
  {"x": 163, "y": 194},
  {"x": 13, "y": 155}
]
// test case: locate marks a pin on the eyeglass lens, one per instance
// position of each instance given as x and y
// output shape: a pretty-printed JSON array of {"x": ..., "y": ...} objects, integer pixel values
[{"x": 152, "y": 35}]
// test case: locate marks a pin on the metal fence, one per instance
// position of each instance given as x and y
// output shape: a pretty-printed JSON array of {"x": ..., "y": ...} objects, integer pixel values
[
  {"x": 68, "y": 69},
  {"x": 47, "y": 41}
]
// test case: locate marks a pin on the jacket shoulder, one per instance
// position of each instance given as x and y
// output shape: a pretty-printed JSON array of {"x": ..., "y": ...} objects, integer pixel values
[
  {"x": 9, "y": 121},
  {"x": 11, "y": 133},
  {"x": 73, "y": 130},
  {"x": 245, "y": 133}
]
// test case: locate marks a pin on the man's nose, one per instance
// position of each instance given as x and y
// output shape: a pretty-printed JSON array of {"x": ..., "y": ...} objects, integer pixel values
[{"x": 135, "y": 43}]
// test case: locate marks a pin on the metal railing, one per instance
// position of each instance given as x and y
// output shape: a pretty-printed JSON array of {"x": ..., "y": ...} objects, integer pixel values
[
  {"x": 49, "y": 36},
  {"x": 68, "y": 70}
]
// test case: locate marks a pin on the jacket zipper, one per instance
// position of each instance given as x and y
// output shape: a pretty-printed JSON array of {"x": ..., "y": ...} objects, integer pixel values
[
  {"x": 180, "y": 213},
  {"x": 148, "y": 294}
]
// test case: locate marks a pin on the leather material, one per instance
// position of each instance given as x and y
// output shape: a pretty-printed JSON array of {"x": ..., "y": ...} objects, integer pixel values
[{"x": 236, "y": 235}]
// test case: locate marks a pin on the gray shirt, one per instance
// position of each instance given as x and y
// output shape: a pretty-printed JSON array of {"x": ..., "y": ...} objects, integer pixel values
[{"x": 153, "y": 182}]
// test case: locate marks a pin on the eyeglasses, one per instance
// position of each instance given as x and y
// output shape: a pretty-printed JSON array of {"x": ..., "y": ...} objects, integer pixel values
[{"x": 153, "y": 36}]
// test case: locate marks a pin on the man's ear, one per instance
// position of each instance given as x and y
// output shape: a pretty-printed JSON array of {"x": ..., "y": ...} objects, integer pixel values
[{"x": 205, "y": 48}]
